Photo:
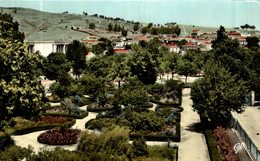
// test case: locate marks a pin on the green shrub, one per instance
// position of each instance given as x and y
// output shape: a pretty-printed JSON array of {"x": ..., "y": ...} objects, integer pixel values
[
  {"x": 13, "y": 153},
  {"x": 5, "y": 141},
  {"x": 163, "y": 152},
  {"x": 58, "y": 154},
  {"x": 140, "y": 147}
]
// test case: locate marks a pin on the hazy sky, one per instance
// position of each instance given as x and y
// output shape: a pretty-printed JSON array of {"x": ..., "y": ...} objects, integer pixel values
[{"x": 229, "y": 13}]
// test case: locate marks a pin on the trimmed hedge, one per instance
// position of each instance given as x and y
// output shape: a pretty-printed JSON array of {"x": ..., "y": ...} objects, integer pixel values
[
  {"x": 42, "y": 127},
  {"x": 81, "y": 116},
  {"x": 212, "y": 146},
  {"x": 175, "y": 138},
  {"x": 98, "y": 109}
]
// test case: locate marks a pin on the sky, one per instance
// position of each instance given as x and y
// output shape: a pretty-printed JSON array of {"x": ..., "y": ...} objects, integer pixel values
[{"x": 212, "y": 13}]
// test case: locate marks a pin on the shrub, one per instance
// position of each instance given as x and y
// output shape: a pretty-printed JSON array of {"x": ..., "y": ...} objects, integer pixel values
[
  {"x": 224, "y": 144},
  {"x": 58, "y": 154},
  {"x": 140, "y": 147},
  {"x": 14, "y": 153},
  {"x": 212, "y": 146},
  {"x": 113, "y": 143},
  {"x": 60, "y": 136},
  {"x": 5, "y": 141}
]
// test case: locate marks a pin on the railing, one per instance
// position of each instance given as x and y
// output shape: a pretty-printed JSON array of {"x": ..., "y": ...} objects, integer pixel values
[{"x": 255, "y": 152}]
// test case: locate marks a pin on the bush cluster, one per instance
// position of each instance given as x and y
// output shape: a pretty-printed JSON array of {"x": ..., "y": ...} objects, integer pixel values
[{"x": 224, "y": 144}]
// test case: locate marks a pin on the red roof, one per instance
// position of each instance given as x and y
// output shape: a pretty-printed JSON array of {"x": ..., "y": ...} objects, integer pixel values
[
  {"x": 196, "y": 30},
  {"x": 121, "y": 50},
  {"x": 234, "y": 34}
]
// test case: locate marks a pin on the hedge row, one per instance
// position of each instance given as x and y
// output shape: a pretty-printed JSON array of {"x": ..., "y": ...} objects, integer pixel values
[
  {"x": 98, "y": 109},
  {"x": 212, "y": 146},
  {"x": 42, "y": 127},
  {"x": 81, "y": 116},
  {"x": 175, "y": 138}
]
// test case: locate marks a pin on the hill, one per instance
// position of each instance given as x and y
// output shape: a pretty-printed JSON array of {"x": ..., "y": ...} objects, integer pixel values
[{"x": 45, "y": 26}]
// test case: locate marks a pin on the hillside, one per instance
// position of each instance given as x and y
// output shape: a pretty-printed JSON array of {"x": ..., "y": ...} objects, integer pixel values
[
  {"x": 44, "y": 26},
  {"x": 38, "y": 25}
]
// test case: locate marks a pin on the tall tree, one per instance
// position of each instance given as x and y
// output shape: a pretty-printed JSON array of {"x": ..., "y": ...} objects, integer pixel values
[
  {"x": 218, "y": 93},
  {"x": 143, "y": 65},
  {"x": 186, "y": 68},
  {"x": 76, "y": 55},
  {"x": 221, "y": 36},
  {"x": 10, "y": 29},
  {"x": 21, "y": 93},
  {"x": 136, "y": 26},
  {"x": 57, "y": 68}
]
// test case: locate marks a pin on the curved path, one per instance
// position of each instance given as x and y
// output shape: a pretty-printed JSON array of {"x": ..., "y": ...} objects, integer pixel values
[{"x": 31, "y": 138}]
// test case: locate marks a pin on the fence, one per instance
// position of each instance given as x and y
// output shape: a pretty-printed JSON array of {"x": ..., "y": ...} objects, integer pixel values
[{"x": 255, "y": 152}]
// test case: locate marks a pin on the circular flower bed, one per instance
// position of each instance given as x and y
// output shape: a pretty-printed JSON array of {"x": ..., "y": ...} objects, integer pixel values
[{"x": 59, "y": 136}]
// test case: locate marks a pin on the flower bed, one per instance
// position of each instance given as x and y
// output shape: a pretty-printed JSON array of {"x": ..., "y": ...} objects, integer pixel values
[
  {"x": 43, "y": 123},
  {"x": 59, "y": 136}
]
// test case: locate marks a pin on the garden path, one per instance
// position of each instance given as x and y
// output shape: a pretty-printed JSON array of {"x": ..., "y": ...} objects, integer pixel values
[
  {"x": 31, "y": 138},
  {"x": 193, "y": 146}
]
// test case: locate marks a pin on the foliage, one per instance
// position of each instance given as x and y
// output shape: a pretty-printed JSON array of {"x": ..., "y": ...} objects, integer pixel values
[
  {"x": 218, "y": 92},
  {"x": 92, "y": 26},
  {"x": 252, "y": 41},
  {"x": 98, "y": 66},
  {"x": 70, "y": 106},
  {"x": 93, "y": 86},
  {"x": 221, "y": 36},
  {"x": 224, "y": 144},
  {"x": 113, "y": 143},
  {"x": 186, "y": 68},
  {"x": 140, "y": 147},
  {"x": 59, "y": 90},
  {"x": 124, "y": 32},
  {"x": 57, "y": 67},
  {"x": 10, "y": 29},
  {"x": 136, "y": 26},
  {"x": 14, "y": 153},
  {"x": 52, "y": 120},
  {"x": 143, "y": 65},
  {"x": 58, "y": 154},
  {"x": 212, "y": 146},
  {"x": 145, "y": 121},
  {"x": 21, "y": 93},
  {"x": 76, "y": 55},
  {"x": 110, "y": 27},
  {"x": 59, "y": 136}
]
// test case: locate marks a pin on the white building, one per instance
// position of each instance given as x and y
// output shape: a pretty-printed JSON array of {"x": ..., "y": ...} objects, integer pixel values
[{"x": 47, "y": 47}]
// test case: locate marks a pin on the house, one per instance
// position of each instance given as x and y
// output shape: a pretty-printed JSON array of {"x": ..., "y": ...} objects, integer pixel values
[
  {"x": 234, "y": 35},
  {"x": 190, "y": 46},
  {"x": 196, "y": 33},
  {"x": 47, "y": 47},
  {"x": 172, "y": 47}
]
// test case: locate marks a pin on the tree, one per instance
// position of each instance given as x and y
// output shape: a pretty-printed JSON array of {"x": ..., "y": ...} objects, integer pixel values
[
  {"x": 92, "y": 26},
  {"x": 109, "y": 27},
  {"x": 218, "y": 93},
  {"x": 76, "y": 55},
  {"x": 57, "y": 68},
  {"x": 150, "y": 25},
  {"x": 221, "y": 36},
  {"x": 92, "y": 85},
  {"x": 136, "y": 26},
  {"x": 143, "y": 65},
  {"x": 186, "y": 68},
  {"x": 9, "y": 29},
  {"x": 124, "y": 32},
  {"x": 98, "y": 66},
  {"x": 21, "y": 92},
  {"x": 144, "y": 30},
  {"x": 252, "y": 42}
]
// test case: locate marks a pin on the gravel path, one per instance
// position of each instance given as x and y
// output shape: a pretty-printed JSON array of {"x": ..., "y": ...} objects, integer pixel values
[{"x": 193, "y": 145}]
